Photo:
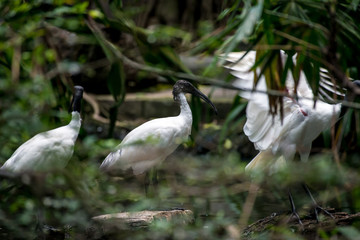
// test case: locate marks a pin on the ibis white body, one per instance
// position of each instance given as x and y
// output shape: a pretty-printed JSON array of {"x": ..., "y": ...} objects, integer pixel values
[
  {"x": 47, "y": 150},
  {"x": 150, "y": 143},
  {"x": 276, "y": 140}
]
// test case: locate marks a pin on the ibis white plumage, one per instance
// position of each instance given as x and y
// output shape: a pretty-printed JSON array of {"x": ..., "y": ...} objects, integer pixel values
[
  {"x": 150, "y": 143},
  {"x": 48, "y": 150},
  {"x": 279, "y": 139}
]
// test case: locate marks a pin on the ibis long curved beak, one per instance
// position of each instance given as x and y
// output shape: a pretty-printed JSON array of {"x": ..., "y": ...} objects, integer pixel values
[{"x": 204, "y": 97}]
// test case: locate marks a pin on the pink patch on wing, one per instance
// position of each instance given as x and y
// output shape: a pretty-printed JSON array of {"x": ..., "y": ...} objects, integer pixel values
[{"x": 303, "y": 112}]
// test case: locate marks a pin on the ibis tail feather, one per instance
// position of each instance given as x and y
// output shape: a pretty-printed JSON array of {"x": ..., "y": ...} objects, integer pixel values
[{"x": 266, "y": 160}]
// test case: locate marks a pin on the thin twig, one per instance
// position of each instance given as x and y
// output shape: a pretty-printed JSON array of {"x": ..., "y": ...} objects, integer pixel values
[
  {"x": 223, "y": 84},
  {"x": 15, "y": 64},
  {"x": 97, "y": 114},
  {"x": 248, "y": 206}
]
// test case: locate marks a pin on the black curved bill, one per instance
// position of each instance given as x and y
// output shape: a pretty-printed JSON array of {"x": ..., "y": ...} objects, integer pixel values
[{"x": 205, "y": 98}]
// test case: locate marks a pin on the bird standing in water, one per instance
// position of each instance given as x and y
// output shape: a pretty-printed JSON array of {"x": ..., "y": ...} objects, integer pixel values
[
  {"x": 49, "y": 150},
  {"x": 278, "y": 139},
  {"x": 150, "y": 143}
]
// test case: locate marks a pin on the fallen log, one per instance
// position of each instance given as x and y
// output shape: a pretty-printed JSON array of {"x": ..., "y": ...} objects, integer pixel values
[{"x": 142, "y": 219}]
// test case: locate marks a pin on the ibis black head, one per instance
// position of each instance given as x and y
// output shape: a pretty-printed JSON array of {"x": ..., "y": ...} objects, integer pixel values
[
  {"x": 183, "y": 86},
  {"x": 350, "y": 97},
  {"x": 357, "y": 83},
  {"x": 77, "y": 97}
]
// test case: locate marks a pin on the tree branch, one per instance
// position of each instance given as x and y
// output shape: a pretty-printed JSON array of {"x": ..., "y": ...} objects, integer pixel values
[{"x": 199, "y": 79}]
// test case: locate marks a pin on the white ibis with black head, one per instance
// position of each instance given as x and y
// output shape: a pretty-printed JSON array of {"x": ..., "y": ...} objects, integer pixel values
[
  {"x": 150, "y": 143},
  {"x": 49, "y": 150},
  {"x": 278, "y": 139}
]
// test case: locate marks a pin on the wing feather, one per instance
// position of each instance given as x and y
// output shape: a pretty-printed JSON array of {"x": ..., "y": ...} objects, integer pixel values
[
  {"x": 43, "y": 152},
  {"x": 278, "y": 138},
  {"x": 146, "y": 146}
]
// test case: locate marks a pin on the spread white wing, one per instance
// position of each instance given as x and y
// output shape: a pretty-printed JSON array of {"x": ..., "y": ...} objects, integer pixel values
[{"x": 301, "y": 122}]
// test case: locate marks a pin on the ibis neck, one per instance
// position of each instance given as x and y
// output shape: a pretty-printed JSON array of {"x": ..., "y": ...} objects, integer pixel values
[
  {"x": 77, "y": 104},
  {"x": 185, "y": 110},
  {"x": 75, "y": 122}
]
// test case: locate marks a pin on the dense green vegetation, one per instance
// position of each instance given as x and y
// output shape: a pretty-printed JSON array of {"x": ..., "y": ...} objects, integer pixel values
[{"x": 112, "y": 47}]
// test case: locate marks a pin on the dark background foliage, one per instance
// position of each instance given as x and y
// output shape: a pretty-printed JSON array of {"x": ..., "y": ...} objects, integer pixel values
[{"x": 124, "y": 47}]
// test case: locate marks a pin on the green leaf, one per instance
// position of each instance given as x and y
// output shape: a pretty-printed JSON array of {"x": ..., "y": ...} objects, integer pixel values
[
  {"x": 229, "y": 121},
  {"x": 246, "y": 28},
  {"x": 355, "y": 4},
  {"x": 116, "y": 85},
  {"x": 172, "y": 57},
  {"x": 289, "y": 64},
  {"x": 224, "y": 13},
  {"x": 196, "y": 113},
  {"x": 347, "y": 121},
  {"x": 312, "y": 72},
  {"x": 104, "y": 45},
  {"x": 116, "y": 81}
]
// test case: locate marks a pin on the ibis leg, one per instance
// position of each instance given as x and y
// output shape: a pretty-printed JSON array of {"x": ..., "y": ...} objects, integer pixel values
[
  {"x": 151, "y": 181},
  {"x": 39, "y": 227},
  {"x": 155, "y": 180},
  {"x": 316, "y": 206},
  {"x": 293, "y": 209},
  {"x": 146, "y": 183}
]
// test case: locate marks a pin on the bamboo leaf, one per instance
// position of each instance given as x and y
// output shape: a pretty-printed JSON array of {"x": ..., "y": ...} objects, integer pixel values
[
  {"x": 245, "y": 29},
  {"x": 312, "y": 72},
  {"x": 171, "y": 56},
  {"x": 116, "y": 85},
  {"x": 234, "y": 114},
  {"x": 289, "y": 64},
  {"x": 196, "y": 113},
  {"x": 355, "y": 4},
  {"x": 116, "y": 81}
]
